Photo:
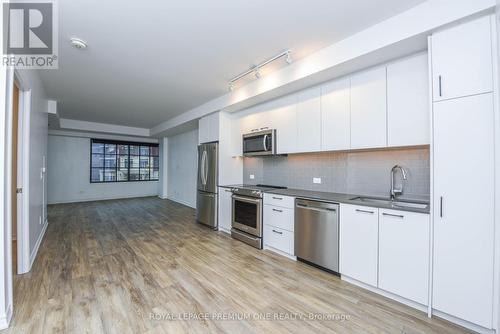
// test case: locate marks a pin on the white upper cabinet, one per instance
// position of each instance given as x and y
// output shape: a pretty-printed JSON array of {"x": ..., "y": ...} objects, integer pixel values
[
  {"x": 336, "y": 115},
  {"x": 208, "y": 128},
  {"x": 462, "y": 60},
  {"x": 284, "y": 119},
  {"x": 369, "y": 109},
  {"x": 359, "y": 243},
  {"x": 309, "y": 120},
  {"x": 404, "y": 254},
  {"x": 408, "y": 113},
  {"x": 464, "y": 207}
]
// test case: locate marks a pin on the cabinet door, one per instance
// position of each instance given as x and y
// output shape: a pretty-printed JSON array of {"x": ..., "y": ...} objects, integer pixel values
[
  {"x": 408, "y": 112},
  {"x": 404, "y": 254},
  {"x": 284, "y": 120},
  {"x": 203, "y": 130},
  {"x": 462, "y": 61},
  {"x": 213, "y": 126},
  {"x": 369, "y": 109},
  {"x": 359, "y": 243},
  {"x": 309, "y": 120},
  {"x": 336, "y": 115},
  {"x": 464, "y": 208},
  {"x": 225, "y": 207}
]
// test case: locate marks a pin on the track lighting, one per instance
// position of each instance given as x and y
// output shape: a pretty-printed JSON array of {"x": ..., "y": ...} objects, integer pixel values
[{"x": 256, "y": 69}]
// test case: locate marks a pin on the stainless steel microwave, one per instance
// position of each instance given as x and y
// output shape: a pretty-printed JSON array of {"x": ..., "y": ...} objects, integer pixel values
[{"x": 259, "y": 143}]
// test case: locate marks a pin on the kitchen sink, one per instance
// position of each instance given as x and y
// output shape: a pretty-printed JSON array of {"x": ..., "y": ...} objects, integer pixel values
[{"x": 389, "y": 202}]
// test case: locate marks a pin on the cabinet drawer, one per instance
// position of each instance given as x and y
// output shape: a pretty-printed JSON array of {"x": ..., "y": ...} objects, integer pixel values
[
  {"x": 279, "y": 217},
  {"x": 279, "y": 239},
  {"x": 279, "y": 200}
]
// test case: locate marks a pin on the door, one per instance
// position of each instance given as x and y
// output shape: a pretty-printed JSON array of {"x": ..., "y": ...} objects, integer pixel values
[
  {"x": 336, "y": 115},
  {"x": 408, "y": 102},
  {"x": 206, "y": 208},
  {"x": 225, "y": 203},
  {"x": 404, "y": 254},
  {"x": 369, "y": 109},
  {"x": 309, "y": 120},
  {"x": 464, "y": 208},
  {"x": 14, "y": 195},
  {"x": 359, "y": 243},
  {"x": 462, "y": 60}
]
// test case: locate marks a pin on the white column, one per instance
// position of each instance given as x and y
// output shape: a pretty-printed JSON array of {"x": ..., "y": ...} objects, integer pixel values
[{"x": 163, "y": 184}]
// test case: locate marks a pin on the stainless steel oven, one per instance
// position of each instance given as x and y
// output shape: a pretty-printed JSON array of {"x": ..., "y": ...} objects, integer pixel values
[
  {"x": 246, "y": 223},
  {"x": 259, "y": 143}
]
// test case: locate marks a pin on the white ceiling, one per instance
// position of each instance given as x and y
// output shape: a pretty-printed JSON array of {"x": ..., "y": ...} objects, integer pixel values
[{"x": 148, "y": 61}]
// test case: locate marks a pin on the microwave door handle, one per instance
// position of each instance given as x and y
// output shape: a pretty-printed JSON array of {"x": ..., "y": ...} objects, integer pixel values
[{"x": 264, "y": 142}]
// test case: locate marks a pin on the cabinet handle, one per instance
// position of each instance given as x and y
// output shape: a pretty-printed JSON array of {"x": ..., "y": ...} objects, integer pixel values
[
  {"x": 439, "y": 84},
  {"x": 253, "y": 130},
  {"x": 280, "y": 198},
  {"x": 441, "y": 207},
  {"x": 391, "y": 215},
  {"x": 277, "y": 232},
  {"x": 264, "y": 128},
  {"x": 277, "y": 210},
  {"x": 365, "y": 211},
  {"x": 228, "y": 190}
]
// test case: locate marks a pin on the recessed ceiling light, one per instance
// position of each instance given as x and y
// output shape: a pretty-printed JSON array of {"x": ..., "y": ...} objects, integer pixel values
[{"x": 78, "y": 43}]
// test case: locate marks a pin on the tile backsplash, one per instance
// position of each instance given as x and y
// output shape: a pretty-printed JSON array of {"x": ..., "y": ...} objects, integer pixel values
[{"x": 360, "y": 172}]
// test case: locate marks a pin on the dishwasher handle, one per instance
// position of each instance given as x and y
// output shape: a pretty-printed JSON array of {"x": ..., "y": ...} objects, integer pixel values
[{"x": 316, "y": 205}]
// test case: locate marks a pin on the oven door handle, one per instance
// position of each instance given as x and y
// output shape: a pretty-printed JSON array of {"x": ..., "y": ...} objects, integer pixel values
[{"x": 247, "y": 199}]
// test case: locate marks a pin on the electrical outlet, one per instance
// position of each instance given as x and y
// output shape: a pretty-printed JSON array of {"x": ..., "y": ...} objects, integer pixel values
[
  {"x": 252, "y": 176},
  {"x": 316, "y": 180}
]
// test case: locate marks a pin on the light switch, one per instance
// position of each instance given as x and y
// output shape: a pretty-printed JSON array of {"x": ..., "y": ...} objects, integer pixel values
[{"x": 316, "y": 180}]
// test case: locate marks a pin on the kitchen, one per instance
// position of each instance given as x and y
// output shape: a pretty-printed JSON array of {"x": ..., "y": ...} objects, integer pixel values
[
  {"x": 269, "y": 167},
  {"x": 357, "y": 176}
]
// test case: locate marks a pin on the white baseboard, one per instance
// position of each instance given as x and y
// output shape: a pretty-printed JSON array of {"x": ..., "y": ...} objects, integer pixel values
[
  {"x": 182, "y": 202},
  {"x": 221, "y": 229},
  {"x": 101, "y": 198},
  {"x": 37, "y": 245},
  {"x": 461, "y": 322},
  {"x": 5, "y": 318},
  {"x": 386, "y": 294},
  {"x": 277, "y": 251}
]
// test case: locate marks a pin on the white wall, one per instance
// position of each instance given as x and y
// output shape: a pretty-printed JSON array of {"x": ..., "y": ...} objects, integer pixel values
[
  {"x": 182, "y": 167},
  {"x": 69, "y": 174}
]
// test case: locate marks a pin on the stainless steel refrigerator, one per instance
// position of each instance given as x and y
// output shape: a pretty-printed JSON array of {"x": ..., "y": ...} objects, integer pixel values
[{"x": 206, "y": 199}]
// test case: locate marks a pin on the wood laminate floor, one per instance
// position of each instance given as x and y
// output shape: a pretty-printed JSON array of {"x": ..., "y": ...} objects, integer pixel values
[{"x": 112, "y": 266}]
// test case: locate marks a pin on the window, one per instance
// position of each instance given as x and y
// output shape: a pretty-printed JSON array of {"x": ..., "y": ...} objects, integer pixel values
[{"x": 117, "y": 161}]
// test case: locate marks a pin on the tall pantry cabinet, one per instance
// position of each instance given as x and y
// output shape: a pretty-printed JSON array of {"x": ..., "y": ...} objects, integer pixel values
[{"x": 463, "y": 126}]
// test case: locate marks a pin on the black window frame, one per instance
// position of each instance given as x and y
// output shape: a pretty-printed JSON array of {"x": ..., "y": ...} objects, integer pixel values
[{"x": 151, "y": 166}]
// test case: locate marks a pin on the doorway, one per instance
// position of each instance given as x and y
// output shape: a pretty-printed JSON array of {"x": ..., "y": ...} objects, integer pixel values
[{"x": 14, "y": 187}]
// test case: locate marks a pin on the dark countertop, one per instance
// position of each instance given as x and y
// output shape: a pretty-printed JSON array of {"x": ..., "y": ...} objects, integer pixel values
[{"x": 343, "y": 198}]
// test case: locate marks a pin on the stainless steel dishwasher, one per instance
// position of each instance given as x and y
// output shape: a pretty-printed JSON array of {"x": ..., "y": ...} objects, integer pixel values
[{"x": 317, "y": 233}]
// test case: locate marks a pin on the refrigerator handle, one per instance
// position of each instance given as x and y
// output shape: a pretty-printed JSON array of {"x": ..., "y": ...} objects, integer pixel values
[
  {"x": 206, "y": 168},
  {"x": 202, "y": 169}
]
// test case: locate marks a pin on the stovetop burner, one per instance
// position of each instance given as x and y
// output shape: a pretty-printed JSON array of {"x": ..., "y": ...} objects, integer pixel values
[{"x": 253, "y": 190}]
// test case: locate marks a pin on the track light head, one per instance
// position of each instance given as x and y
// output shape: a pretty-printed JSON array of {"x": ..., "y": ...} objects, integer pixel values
[
  {"x": 257, "y": 73},
  {"x": 231, "y": 86},
  {"x": 288, "y": 57}
]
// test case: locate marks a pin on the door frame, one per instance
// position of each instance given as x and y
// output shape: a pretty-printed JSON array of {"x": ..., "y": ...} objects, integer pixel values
[
  {"x": 23, "y": 253},
  {"x": 15, "y": 76}
]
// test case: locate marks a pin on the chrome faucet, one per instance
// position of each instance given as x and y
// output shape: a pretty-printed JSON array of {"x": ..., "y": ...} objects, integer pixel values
[{"x": 396, "y": 192}]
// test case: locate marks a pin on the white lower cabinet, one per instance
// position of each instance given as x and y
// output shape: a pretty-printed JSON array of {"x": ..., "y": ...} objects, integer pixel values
[
  {"x": 279, "y": 223},
  {"x": 279, "y": 239},
  {"x": 359, "y": 243},
  {"x": 404, "y": 254},
  {"x": 225, "y": 209}
]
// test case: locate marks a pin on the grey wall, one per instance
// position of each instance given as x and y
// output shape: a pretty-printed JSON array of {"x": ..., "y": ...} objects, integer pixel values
[
  {"x": 68, "y": 175},
  {"x": 183, "y": 167},
  {"x": 366, "y": 173}
]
